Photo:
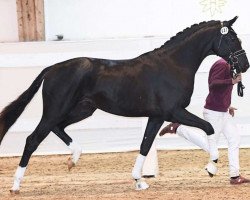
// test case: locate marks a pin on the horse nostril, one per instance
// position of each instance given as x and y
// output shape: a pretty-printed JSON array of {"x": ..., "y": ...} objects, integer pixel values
[{"x": 245, "y": 69}]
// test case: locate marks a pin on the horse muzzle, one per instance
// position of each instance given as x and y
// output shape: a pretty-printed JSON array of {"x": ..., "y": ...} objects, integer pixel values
[{"x": 245, "y": 68}]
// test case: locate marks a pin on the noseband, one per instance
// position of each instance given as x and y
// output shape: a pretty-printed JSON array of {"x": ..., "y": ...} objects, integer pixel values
[
  {"x": 234, "y": 64},
  {"x": 233, "y": 60}
]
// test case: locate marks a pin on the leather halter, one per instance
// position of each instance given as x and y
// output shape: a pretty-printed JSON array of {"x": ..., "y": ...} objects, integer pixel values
[{"x": 233, "y": 60}]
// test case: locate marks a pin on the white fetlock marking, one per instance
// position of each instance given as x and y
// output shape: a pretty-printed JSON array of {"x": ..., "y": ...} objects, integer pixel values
[
  {"x": 141, "y": 185},
  {"x": 76, "y": 151},
  {"x": 211, "y": 168},
  {"x": 137, "y": 170},
  {"x": 18, "y": 178}
]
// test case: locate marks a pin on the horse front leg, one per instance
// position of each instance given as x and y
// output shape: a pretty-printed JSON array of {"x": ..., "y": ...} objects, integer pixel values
[
  {"x": 182, "y": 116},
  {"x": 82, "y": 110},
  {"x": 153, "y": 126}
]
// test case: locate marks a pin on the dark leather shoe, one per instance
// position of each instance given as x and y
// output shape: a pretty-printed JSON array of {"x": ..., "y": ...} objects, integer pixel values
[
  {"x": 171, "y": 128},
  {"x": 148, "y": 176},
  {"x": 239, "y": 180}
]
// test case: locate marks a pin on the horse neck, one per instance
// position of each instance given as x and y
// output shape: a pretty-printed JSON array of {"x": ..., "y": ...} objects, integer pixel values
[{"x": 190, "y": 52}]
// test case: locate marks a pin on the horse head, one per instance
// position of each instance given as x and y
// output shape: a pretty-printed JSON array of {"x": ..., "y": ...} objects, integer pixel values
[{"x": 228, "y": 46}]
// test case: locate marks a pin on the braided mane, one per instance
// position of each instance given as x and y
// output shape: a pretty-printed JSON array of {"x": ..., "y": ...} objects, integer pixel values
[{"x": 189, "y": 30}]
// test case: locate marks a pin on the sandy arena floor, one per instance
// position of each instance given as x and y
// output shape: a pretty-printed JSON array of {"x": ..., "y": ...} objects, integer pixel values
[{"x": 108, "y": 176}]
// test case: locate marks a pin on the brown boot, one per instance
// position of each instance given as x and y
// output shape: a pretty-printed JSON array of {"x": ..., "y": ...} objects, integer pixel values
[
  {"x": 239, "y": 180},
  {"x": 171, "y": 128}
]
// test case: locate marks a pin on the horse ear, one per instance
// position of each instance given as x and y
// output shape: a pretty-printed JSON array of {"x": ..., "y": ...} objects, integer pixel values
[{"x": 230, "y": 22}]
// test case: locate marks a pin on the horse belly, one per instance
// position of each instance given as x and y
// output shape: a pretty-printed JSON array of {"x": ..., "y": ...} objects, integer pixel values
[{"x": 124, "y": 103}]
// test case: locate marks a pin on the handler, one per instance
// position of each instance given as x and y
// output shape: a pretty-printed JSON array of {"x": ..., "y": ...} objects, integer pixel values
[{"x": 218, "y": 112}]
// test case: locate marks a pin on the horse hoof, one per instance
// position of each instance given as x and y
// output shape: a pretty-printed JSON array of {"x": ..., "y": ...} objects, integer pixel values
[
  {"x": 211, "y": 175},
  {"x": 14, "y": 192},
  {"x": 141, "y": 185},
  {"x": 70, "y": 164}
]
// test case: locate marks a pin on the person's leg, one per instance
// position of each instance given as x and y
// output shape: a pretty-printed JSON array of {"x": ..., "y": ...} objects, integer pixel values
[
  {"x": 194, "y": 135},
  {"x": 216, "y": 120},
  {"x": 232, "y": 135}
]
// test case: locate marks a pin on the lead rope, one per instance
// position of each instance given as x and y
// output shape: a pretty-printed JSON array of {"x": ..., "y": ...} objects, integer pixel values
[{"x": 240, "y": 88}]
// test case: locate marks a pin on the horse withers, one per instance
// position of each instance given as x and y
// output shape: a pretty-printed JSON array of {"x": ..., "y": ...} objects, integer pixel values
[{"x": 158, "y": 85}]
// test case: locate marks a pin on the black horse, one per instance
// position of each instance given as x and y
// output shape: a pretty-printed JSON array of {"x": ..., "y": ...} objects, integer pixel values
[{"x": 158, "y": 84}]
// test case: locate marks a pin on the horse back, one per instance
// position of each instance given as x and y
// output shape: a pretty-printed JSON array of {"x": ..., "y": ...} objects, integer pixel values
[{"x": 132, "y": 87}]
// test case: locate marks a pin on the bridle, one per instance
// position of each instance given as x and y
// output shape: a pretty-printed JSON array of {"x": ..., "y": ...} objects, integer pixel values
[{"x": 233, "y": 60}]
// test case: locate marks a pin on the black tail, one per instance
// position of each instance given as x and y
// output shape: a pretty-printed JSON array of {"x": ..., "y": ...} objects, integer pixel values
[{"x": 10, "y": 113}]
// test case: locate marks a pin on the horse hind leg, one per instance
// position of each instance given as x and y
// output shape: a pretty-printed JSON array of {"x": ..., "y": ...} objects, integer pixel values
[
  {"x": 52, "y": 115},
  {"x": 82, "y": 110},
  {"x": 39, "y": 134},
  {"x": 75, "y": 148},
  {"x": 32, "y": 142}
]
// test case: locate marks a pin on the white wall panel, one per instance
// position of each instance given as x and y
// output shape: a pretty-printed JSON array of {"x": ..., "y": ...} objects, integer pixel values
[
  {"x": 8, "y": 21},
  {"x": 91, "y": 19},
  {"x": 88, "y": 19}
]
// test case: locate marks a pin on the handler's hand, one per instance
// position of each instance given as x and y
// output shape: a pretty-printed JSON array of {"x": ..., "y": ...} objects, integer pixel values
[
  {"x": 237, "y": 79},
  {"x": 231, "y": 110}
]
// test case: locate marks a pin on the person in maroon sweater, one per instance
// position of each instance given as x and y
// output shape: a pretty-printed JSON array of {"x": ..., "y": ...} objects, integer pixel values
[
  {"x": 218, "y": 112},
  {"x": 220, "y": 87}
]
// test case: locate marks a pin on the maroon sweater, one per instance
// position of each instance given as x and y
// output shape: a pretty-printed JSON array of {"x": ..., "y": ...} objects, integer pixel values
[{"x": 220, "y": 87}]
